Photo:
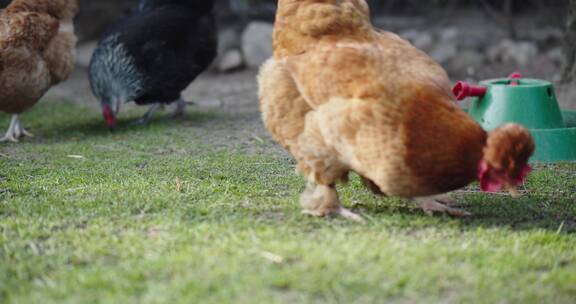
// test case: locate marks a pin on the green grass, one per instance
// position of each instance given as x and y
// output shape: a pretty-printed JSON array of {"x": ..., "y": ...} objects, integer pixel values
[{"x": 111, "y": 227}]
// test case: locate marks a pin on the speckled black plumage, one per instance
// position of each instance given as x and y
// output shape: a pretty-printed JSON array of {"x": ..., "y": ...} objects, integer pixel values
[{"x": 154, "y": 54}]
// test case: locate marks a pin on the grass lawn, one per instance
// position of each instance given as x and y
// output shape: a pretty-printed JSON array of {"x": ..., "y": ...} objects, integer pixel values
[{"x": 163, "y": 213}]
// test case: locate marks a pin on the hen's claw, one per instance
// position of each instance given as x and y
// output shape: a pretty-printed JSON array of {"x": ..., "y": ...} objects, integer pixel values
[
  {"x": 431, "y": 206},
  {"x": 446, "y": 200},
  {"x": 180, "y": 108},
  {"x": 343, "y": 212},
  {"x": 9, "y": 138},
  {"x": 26, "y": 133},
  {"x": 322, "y": 200},
  {"x": 148, "y": 116},
  {"x": 15, "y": 131}
]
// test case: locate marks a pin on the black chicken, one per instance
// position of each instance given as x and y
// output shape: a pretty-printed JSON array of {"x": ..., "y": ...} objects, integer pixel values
[{"x": 151, "y": 56}]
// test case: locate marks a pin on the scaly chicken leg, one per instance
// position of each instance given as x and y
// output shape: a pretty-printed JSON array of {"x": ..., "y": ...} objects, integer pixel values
[
  {"x": 178, "y": 112},
  {"x": 322, "y": 200},
  {"x": 433, "y": 204},
  {"x": 15, "y": 130},
  {"x": 146, "y": 118},
  {"x": 180, "y": 108}
]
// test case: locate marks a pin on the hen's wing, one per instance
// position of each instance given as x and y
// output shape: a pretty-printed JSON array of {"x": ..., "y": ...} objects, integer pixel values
[
  {"x": 283, "y": 108},
  {"x": 383, "y": 70},
  {"x": 294, "y": 123}
]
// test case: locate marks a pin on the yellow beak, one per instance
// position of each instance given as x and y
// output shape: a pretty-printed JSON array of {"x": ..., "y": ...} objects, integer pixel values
[{"x": 513, "y": 191}]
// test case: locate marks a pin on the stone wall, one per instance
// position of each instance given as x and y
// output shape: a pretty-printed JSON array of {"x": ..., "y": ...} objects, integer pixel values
[
  {"x": 96, "y": 15},
  {"x": 467, "y": 43}
]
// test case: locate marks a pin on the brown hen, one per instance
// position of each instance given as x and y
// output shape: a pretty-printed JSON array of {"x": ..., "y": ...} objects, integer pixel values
[
  {"x": 341, "y": 96},
  {"x": 37, "y": 50}
]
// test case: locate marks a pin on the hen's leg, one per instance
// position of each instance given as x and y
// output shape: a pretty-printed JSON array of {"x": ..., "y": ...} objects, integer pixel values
[
  {"x": 284, "y": 112},
  {"x": 146, "y": 118},
  {"x": 431, "y": 205},
  {"x": 180, "y": 108},
  {"x": 10, "y": 133},
  {"x": 20, "y": 131},
  {"x": 15, "y": 130},
  {"x": 322, "y": 200}
]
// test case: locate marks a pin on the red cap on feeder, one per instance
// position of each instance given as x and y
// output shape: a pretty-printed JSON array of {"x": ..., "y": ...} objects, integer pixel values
[
  {"x": 462, "y": 90},
  {"x": 513, "y": 76}
]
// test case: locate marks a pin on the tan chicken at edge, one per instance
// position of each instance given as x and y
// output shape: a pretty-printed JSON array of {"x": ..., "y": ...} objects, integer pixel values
[
  {"x": 37, "y": 51},
  {"x": 341, "y": 96}
]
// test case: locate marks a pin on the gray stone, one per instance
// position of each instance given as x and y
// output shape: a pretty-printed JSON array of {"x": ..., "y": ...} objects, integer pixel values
[
  {"x": 545, "y": 66},
  {"x": 546, "y": 35},
  {"x": 230, "y": 60},
  {"x": 410, "y": 35},
  {"x": 420, "y": 40},
  {"x": 84, "y": 53},
  {"x": 443, "y": 52},
  {"x": 229, "y": 54},
  {"x": 257, "y": 43},
  {"x": 474, "y": 41},
  {"x": 557, "y": 56},
  {"x": 229, "y": 38},
  {"x": 517, "y": 52},
  {"x": 449, "y": 34},
  {"x": 396, "y": 23},
  {"x": 466, "y": 61}
]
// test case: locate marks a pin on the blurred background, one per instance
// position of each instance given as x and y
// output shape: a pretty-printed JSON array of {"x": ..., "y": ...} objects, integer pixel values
[{"x": 472, "y": 39}]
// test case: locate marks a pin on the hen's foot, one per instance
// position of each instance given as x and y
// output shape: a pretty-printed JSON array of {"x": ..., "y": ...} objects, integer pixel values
[
  {"x": 343, "y": 212},
  {"x": 9, "y": 138},
  {"x": 180, "y": 108},
  {"x": 321, "y": 200},
  {"x": 437, "y": 205},
  {"x": 446, "y": 200},
  {"x": 148, "y": 116},
  {"x": 15, "y": 131}
]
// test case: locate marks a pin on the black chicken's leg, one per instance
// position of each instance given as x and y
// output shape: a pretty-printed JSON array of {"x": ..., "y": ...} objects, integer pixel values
[
  {"x": 146, "y": 118},
  {"x": 180, "y": 108}
]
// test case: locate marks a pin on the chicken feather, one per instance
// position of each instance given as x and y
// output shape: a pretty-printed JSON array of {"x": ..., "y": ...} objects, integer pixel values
[
  {"x": 341, "y": 96},
  {"x": 36, "y": 51}
]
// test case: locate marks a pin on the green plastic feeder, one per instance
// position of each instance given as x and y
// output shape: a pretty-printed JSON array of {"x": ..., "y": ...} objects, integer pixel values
[{"x": 529, "y": 102}]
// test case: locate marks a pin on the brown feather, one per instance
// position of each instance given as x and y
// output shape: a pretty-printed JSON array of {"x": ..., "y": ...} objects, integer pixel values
[
  {"x": 35, "y": 50},
  {"x": 341, "y": 96}
]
